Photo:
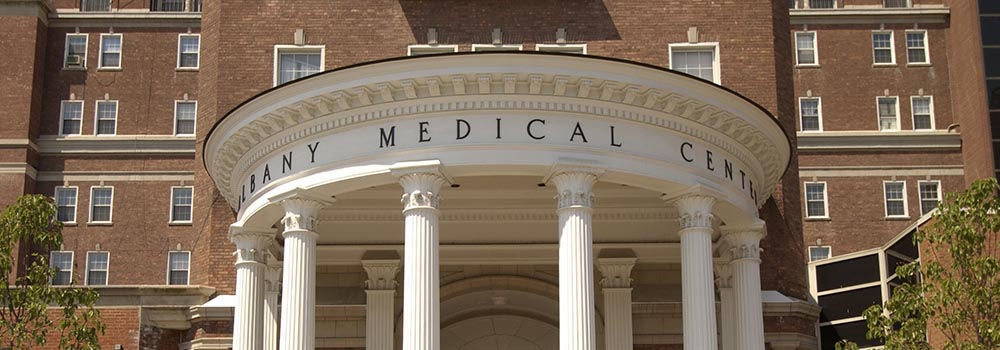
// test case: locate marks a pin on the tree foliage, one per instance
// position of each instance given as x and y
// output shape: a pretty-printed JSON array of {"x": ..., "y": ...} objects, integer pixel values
[
  {"x": 25, "y": 301},
  {"x": 955, "y": 289}
]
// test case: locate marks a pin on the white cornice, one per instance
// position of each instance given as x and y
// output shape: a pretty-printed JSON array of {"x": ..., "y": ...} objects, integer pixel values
[
  {"x": 124, "y": 18},
  {"x": 869, "y": 15},
  {"x": 876, "y": 141},
  {"x": 125, "y": 144}
]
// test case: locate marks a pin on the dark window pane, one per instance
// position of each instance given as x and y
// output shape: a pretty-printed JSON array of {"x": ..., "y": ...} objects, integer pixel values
[
  {"x": 906, "y": 247},
  {"x": 989, "y": 6},
  {"x": 847, "y": 273},
  {"x": 991, "y": 58},
  {"x": 992, "y": 94},
  {"x": 991, "y": 30},
  {"x": 996, "y": 155},
  {"x": 853, "y": 331},
  {"x": 848, "y": 304}
]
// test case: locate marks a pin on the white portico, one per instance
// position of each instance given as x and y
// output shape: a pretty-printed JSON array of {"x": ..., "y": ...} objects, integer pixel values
[{"x": 421, "y": 165}]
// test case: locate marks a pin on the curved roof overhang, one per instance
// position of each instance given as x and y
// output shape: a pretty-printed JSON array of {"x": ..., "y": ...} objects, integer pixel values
[{"x": 657, "y": 105}]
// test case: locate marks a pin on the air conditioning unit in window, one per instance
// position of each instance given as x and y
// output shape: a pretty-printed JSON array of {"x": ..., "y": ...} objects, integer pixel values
[{"x": 74, "y": 61}]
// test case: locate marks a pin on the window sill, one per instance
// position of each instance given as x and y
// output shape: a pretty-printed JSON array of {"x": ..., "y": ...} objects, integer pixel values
[
  {"x": 884, "y": 65},
  {"x": 816, "y": 65},
  {"x": 180, "y": 223},
  {"x": 889, "y": 130},
  {"x": 897, "y": 218},
  {"x": 187, "y": 69},
  {"x": 918, "y": 64},
  {"x": 70, "y": 224},
  {"x": 818, "y": 218},
  {"x": 109, "y": 69},
  {"x": 811, "y": 131},
  {"x": 75, "y": 69},
  {"x": 102, "y": 223}
]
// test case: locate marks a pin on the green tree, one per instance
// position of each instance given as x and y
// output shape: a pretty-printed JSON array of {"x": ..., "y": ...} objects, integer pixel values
[
  {"x": 955, "y": 289},
  {"x": 25, "y": 301}
]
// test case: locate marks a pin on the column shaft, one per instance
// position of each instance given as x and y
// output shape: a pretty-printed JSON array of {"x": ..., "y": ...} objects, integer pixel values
[
  {"x": 728, "y": 322},
  {"x": 378, "y": 323},
  {"x": 298, "y": 297},
  {"x": 248, "y": 315},
  {"x": 697, "y": 285},
  {"x": 746, "y": 288},
  {"x": 617, "y": 318},
  {"x": 271, "y": 316}
]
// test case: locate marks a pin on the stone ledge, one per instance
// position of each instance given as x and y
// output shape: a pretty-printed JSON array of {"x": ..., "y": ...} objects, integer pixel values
[
  {"x": 117, "y": 144},
  {"x": 868, "y": 15},
  {"x": 878, "y": 140}
]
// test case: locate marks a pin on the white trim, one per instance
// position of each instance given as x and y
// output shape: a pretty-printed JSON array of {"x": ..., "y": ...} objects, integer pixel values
[
  {"x": 873, "y": 140},
  {"x": 198, "y": 61},
  {"x": 437, "y": 48},
  {"x": 927, "y": 49},
  {"x": 501, "y": 47},
  {"x": 86, "y": 43},
  {"x": 826, "y": 200},
  {"x": 913, "y": 114},
  {"x": 844, "y": 320},
  {"x": 819, "y": 113},
  {"x": 76, "y": 203},
  {"x": 111, "y": 207},
  {"x": 921, "y": 199},
  {"x": 97, "y": 117},
  {"x": 714, "y": 46},
  {"x": 564, "y": 47},
  {"x": 170, "y": 219},
  {"x": 107, "y": 271},
  {"x": 815, "y": 49},
  {"x": 878, "y": 114},
  {"x": 849, "y": 288},
  {"x": 195, "y": 131},
  {"x": 892, "y": 47},
  {"x": 72, "y": 259},
  {"x": 885, "y": 200},
  {"x": 829, "y": 252},
  {"x": 100, "y": 52},
  {"x": 278, "y": 49},
  {"x": 169, "y": 268},
  {"x": 62, "y": 110}
]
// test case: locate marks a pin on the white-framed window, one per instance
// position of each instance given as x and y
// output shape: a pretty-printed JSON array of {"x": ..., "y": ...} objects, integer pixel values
[
  {"x": 811, "y": 114},
  {"x": 895, "y": 198},
  {"x": 821, "y": 4},
  {"x": 895, "y": 3},
  {"x": 70, "y": 117},
  {"x": 169, "y": 5},
  {"x": 580, "y": 49},
  {"x": 62, "y": 261},
  {"x": 883, "y": 50},
  {"x": 700, "y": 60},
  {"x": 97, "y": 268},
  {"x": 806, "y": 53},
  {"x": 916, "y": 47},
  {"x": 76, "y": 51},
  {"x": 816, "y": 205},
  {"x": 419, "y": 50},
  {"x": 181, "y": 202},
  {"x": 101, "y": 202},
  {"x": 185, "y": 117},
  {"x": 111, "y": 52},
  {"x": 293, "y": 62},
  {"x": 178, "y": 267},
  {"x": 66, "y": 204},
  {"x": 930, "y": 195},
  {"x": 106, "y": 117},
  {"x": 923, "y": 112},
  {"x": 888, "y": 113},
  {"x": 188, "y": 48},
  {"x": 95, "y": 5},
  {"x": 500, "y": 47},
  {"x": 819, "y": 252}
]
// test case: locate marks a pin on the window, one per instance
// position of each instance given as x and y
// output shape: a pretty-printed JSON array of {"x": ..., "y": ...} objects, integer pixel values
[
  {"x": 923, "y": 112},
  {"x": 71, "y": 117},
  {"x": 700, "y": 60},
  {"x": 563, "y": 48},
  {"x": 180, "y": 204},
  {"x": 805, "y": 49},
  {"x": 888, "y": 113},
  {"x": 419, "y": 50},
  {"x": 491, "y": 47},
  {"x": 930, "y": 195},
  {"x": 816, "y": 200},
  {"x": 95, "y": 5},
  {"x": 819, "y": 253},
  {"x": 809, "y": 110},
  {"x": 185, "y": 116},
  {"x": 111, "y": 51},
  {"x": 97, "y": 268},
  {"x": 294, "y": 62},
  {"x": 882, "y": 48},
  {"x": 895, "y": 198},
  {"x": 822, "y": 4},
  {"x": 76, "y": 51},
  {"x": 66, "y": 204},
  {"x": 187, "y": 51},
  {"x": 168, "y": 5},
  {"x": 106, "y": 114},
  {"x": 62, "y": 261},
  {"x": 916, "y": 47},
  {"x": 178, "y": 265},
  {"x": 895, "y": 3},
  {"x": 101, "y": 199}
]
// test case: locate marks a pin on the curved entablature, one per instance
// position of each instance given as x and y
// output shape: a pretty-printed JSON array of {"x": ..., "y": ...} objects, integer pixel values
[{"x": 517, "y": 112}]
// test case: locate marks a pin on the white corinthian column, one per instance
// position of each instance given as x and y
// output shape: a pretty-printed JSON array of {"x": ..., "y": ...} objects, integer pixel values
[
  {"x": 271, "y": 316},
  {"x": 248, "y": 317},
  {"x": 727, "y": 319},
  {"x": 421, "y": 282},
  {"x": 381, "y": 289},
  {"x": 745, "y": 244},
  {"x": 697, "y": 290},
  {"x": 576, "y": 260},
  {"x": 617, "y": 288},
  {"x": 298, "y": 297}
]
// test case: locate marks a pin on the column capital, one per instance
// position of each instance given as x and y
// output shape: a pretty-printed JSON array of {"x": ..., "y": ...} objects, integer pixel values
[
  {"x": 421, "y": 181},
  {"x": 381, "y": 274},
  {"x": 251, "y": 243},
  {"x": 695, "y": 210},
  {"x": 617, "y": 272},
  {"x": 301, "y": 209},
  {"x": 574, "y": 184},
  {"x": 745, "y": 241},
  {"x": 272, "y": 279},
  {"x": 723, "y": 276}
]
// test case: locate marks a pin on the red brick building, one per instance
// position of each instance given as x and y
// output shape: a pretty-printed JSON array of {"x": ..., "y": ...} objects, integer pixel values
[{"x": 160, "y": 128}]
